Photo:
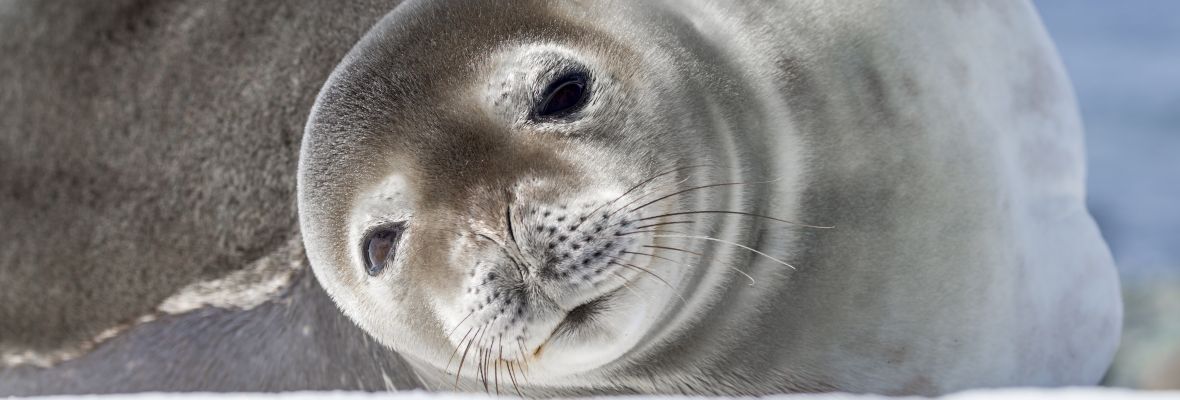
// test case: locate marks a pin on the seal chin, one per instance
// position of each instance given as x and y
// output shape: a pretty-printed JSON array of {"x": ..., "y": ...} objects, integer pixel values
[{"x": 594, "y": 333}]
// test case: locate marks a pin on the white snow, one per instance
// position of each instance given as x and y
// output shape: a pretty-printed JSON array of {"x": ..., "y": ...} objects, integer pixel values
[{"x": 1006, "y": 394}]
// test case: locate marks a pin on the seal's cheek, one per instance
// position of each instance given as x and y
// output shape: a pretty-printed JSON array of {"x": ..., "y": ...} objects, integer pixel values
[{"x": 428, "y": 261}]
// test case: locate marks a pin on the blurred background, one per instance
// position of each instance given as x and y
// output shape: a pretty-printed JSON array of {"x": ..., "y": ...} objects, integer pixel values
[{"x": 1124, "y": 59}]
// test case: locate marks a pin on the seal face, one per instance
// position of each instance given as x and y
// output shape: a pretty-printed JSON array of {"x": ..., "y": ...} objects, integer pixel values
[
  {"x": 500, "y": 209},
  {"x": 602, "y": 197}
]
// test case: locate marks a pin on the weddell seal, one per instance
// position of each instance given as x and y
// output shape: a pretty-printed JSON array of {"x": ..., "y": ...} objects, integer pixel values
[{"x": 711, "y": 198}]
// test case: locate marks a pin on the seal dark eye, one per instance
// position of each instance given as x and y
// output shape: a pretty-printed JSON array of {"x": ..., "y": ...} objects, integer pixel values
[
  {"x": 564, "y": 96},
  {"x": 381, "y": 247}
]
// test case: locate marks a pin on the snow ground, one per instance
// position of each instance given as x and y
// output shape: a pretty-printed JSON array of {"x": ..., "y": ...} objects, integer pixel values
[{"x": 1006, "y": 394}]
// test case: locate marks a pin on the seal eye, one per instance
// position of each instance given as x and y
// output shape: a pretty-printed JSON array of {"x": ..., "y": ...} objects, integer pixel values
[
  {"x": 564, "y": 96},
  {"x": 381, "y": 247}
]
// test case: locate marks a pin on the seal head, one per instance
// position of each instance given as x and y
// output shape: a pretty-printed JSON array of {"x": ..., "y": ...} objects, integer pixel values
[{"x": 479, "y": 198}]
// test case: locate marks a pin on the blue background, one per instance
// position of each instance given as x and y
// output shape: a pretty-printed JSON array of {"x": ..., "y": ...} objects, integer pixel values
[{"x": 1124, "y": 60}]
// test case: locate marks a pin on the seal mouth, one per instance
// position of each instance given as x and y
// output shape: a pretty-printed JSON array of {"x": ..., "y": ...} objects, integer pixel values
[
  {"x": 582, "y": 315},
  {"x": 578, "y": 318}
]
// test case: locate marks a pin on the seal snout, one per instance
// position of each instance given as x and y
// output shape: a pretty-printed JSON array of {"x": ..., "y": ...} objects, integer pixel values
[
  {"x": 554, "y": 270},
  {"x": 581, "y": 249}
]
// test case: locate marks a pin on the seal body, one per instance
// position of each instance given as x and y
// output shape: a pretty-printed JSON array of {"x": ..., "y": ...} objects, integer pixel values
[
  {"x": 946, "y": 160},
  {"x": 929, "y": 157}
]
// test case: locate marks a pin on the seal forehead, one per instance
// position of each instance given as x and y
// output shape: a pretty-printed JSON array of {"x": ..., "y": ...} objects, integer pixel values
[
  {"x": 408, "y": 49},
  {"x": 406, "y": 79}
]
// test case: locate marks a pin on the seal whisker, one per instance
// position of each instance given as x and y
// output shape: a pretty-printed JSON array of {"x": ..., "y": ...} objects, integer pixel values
[
  {"x": 479, "y": 377},
  {"x": 642, "y": 196},
  {"x": 713, "y": 239},
  {"x": 524, "y": 360},
  {"x": 647, "y": 231},
  {"x": 462, "y": 360},
  {"x": 487, "y": 365},
  {"x": 653, "y": 274},
  {"x": 483, "y": 363},
  {"x": 482, "y": 369},
  {"x": 499, "y": 358},
  {"x": 674, "y": 249},
  {"x": 641, "y": 184},
  {"x": 626, "y": 285},
  {"x": 682, "y": 191},
  {"x": 477, "y": 358},
  {"x": 752, "y": 282},
  {"x": 512, "y": 376},
  {"x": 452, "y": 331},
  {"x": 737, "y": 213},
  {"x": 453, "y": 353},
  {"x": 662, "y": 224}
]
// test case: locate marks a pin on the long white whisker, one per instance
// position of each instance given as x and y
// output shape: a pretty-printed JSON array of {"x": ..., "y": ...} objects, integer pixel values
[
  {"x": 682, "y": 191},
  {"x": 736, "y": 213},
  {"x": 729, "y": 243},
  {"x": 752, "y": 282}
]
